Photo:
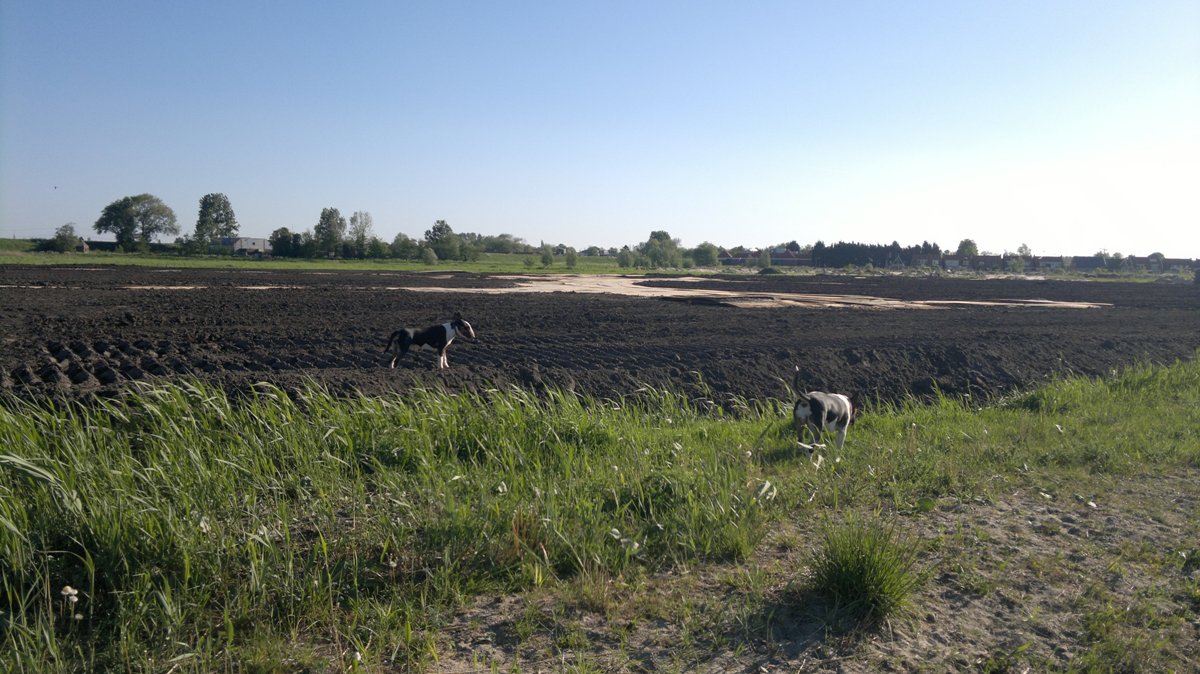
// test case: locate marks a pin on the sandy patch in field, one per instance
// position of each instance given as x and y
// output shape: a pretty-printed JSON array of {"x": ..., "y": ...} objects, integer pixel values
[{"x": 636, "y": 287}]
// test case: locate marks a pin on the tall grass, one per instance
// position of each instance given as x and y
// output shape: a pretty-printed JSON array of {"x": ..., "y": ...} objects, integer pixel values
[
  {"x": 204, "y": 531},
  {"x": 182, "y": 515},
  {"x": 865, "y": 569},
  {"x": 509, "y": 263}
]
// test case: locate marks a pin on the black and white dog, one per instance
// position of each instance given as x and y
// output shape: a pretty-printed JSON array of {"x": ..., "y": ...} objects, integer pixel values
[
  {"x": 436, "y": 337},
  {"x": 820, "y": 412}
]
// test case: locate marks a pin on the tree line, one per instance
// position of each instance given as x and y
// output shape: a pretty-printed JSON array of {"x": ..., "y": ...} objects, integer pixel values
[{"x": 136, "y": 221}]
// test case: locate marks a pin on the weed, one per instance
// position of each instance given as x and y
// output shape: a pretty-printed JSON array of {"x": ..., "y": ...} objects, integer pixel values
[{"x": 865, "y": 569}]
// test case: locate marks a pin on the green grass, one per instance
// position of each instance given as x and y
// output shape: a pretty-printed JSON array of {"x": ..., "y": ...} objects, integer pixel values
[
  {"x": 865, "y": 571},
  {"x": 266, "y": 532},
  {"x": 11, "y": 247},
  {"x": 488, "y": 263}
]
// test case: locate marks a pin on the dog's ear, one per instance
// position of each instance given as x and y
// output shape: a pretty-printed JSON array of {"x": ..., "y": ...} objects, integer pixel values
[{"x": 458, "y": 316}]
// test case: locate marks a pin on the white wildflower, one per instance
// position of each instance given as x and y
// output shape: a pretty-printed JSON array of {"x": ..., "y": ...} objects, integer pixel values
[{"x": 767, "y": 491}]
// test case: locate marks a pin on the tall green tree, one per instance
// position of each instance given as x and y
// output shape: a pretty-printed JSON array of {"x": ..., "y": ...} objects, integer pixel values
[
  {"x": 967, "y": 248},
  {"x": 329, "y": 232},
  {"x": 361, "y": 226},
  {"x": 134, "y": 220},
  {"x": 215, "y": 221},
  {"x": 154, "y": 218},
  {"x": 442, "y": 239},
  {"x": 405, "y": 247},
  {"x": 705, "y": 255},
  {"x": 660, "y": 250},
  {"x": 65, "y": 240},
  {"x": 281, "y": 243}
]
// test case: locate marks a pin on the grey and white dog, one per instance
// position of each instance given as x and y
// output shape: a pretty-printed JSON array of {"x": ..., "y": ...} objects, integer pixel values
[{"x": 819, "y": 413}]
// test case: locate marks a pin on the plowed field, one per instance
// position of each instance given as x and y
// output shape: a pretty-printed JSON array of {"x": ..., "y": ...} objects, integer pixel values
[{"x": 74, "y": 331}]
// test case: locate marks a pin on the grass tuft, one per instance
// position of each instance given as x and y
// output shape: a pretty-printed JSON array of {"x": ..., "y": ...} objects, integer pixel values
[{"x": 865, "y": 570}]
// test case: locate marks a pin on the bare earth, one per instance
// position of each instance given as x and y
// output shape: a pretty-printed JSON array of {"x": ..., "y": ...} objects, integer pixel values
[
  {"x": 1014, "y": 581},
  {"x": 70, "y": 331}
]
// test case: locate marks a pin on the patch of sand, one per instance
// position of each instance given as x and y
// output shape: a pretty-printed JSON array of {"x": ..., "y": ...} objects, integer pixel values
[{"x": 636, "y": 287}]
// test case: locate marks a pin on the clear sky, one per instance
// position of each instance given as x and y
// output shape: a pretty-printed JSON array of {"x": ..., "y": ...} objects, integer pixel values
[{"x": 1069, "y": 126}]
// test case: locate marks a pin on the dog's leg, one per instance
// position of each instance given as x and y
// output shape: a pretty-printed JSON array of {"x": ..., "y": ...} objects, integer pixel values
[{"x": 841, "y": 436}]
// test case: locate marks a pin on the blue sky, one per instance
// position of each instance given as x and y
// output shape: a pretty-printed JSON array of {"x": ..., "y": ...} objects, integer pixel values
[{"x": 1067, "y": 126}]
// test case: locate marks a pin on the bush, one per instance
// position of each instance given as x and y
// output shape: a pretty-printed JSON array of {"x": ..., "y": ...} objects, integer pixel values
[{"x": 865, "y": 570}]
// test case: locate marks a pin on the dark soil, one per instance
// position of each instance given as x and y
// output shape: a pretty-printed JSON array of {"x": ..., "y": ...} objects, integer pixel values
[{"x": 74, "y": 332}]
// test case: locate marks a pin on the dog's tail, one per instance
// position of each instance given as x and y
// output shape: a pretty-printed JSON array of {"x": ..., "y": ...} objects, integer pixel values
[
  {"x": 796, "y": 390},
  {"x": 396, "y": 337}
]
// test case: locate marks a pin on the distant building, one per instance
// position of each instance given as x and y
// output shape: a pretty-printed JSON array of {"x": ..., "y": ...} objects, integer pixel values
[
  {"x": 955, "y": 262},
  {"x": 788, "y": 258},
  {"x": 243, "y": 245},
  {"x": 987, "y": 262},
  {"x": 1093, "y": 263},
  {"x": 1047, "y": 262}
]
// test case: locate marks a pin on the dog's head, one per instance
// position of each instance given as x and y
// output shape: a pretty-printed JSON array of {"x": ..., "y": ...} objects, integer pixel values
[
  {"x": 803, "y": 410},
  {"x": 462, "y": 326}
]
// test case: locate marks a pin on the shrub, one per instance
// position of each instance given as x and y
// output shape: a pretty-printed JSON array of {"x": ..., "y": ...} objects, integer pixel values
[{"x": 865, "y": 570}]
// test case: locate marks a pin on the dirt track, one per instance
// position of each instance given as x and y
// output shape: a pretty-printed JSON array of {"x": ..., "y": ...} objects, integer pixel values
[{"x": 72, "y": 331}]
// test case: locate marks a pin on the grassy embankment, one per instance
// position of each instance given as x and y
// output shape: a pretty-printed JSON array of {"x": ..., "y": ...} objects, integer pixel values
[
  {"x": 488, "y": 262},
  {"x": 203, "y": 533},
  {"x": 21, "y": 251}
]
